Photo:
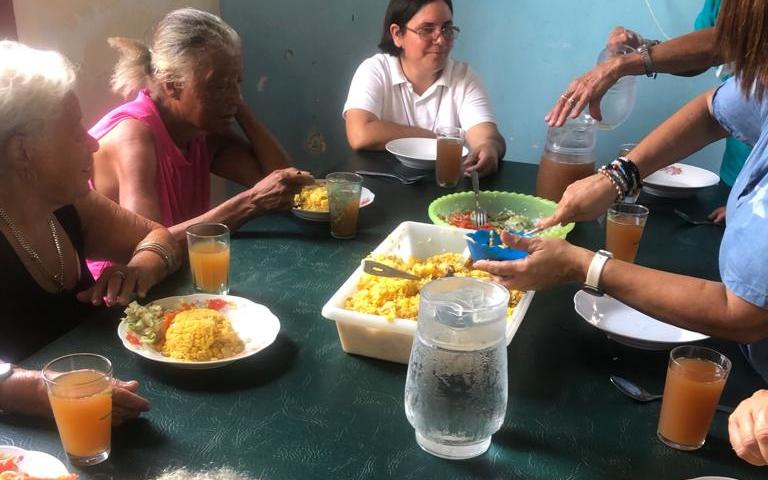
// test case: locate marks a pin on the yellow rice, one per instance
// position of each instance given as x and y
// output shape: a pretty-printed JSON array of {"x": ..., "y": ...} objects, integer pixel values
[
  {"x": 201, "y": 334},
  {"x": 313, "y": 198},
  {"x": 399, "y": 298}
]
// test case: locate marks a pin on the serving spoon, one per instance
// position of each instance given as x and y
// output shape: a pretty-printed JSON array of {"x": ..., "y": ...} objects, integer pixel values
[{"x": 632, "y": 390}]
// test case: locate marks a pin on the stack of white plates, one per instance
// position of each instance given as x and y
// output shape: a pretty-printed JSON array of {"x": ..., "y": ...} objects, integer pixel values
[
  {"x": 679, "y": 181},
  {"x": 626, "y": 325},
  {"x": 417, "y": 152}
]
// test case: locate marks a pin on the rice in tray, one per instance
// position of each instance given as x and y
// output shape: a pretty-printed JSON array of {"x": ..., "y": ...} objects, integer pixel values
[{"x": 399, "y": 298}]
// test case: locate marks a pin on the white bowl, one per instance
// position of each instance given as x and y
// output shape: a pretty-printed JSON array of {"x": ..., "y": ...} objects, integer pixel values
[
  {"x": 375, "y": 336},
  {"x": 255, "y": 324},
  {"x": 417, "y": 153},
  {"x": 366, "y": 198},
  {"x": 628, "y": 326}
]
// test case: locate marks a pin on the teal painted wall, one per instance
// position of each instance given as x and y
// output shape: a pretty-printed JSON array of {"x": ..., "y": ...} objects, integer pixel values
[{"x": 300, "y": 57}]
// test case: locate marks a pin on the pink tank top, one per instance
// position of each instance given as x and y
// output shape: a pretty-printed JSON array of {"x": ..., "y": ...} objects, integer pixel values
[{"x": 183, "y": 183}]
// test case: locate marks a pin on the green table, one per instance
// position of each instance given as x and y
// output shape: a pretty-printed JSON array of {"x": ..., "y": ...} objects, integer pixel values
[{"x": 304, "y": 409}]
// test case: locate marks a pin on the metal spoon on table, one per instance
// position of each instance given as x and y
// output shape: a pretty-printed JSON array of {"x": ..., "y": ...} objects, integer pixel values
[{"x": 632, "y": 390}]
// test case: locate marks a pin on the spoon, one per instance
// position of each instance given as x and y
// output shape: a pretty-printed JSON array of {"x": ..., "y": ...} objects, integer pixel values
[
  {"x": 640, "y": 394},
  {"x": 692, "y": 220},
  {"x": 404, "y": 179},
  {"x": 383, "y": 270}
]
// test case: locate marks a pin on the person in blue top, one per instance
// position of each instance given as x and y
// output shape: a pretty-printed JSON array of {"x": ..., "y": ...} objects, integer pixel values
[
  {"x": 687, "y": 55},
  {"x": 735, "y": 308}
]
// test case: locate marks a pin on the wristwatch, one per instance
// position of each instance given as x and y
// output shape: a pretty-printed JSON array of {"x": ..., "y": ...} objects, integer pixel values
[
  {"x": 592, "y": 283},
  {"x": 6, "y": 370}
]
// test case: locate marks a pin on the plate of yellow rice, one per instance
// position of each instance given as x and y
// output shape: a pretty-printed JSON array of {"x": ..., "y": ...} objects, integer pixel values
[
  {"x": 312, "y": 202},
  {"x": 198, "y": 331}
]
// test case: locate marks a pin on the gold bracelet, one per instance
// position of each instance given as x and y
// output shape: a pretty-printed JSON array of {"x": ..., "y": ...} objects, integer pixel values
[{"x": 158, "y": 249}]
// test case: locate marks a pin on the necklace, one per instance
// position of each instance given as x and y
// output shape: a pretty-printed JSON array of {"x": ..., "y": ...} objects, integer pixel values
[{"x": 58, "y": 278}]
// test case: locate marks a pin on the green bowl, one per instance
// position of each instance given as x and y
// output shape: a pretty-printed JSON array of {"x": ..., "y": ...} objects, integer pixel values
[{"x": 494, "y": 202}]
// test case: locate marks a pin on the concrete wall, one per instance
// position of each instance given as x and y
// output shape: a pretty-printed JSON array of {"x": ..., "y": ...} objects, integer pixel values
[{"x": 300, "y": 57}]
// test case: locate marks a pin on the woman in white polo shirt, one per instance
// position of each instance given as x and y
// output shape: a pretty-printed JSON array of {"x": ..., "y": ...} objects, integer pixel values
[{"x": 414, "y": 87}]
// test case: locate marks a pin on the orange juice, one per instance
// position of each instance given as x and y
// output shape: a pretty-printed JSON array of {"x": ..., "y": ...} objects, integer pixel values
[
  {"x": 82, "y": 405},
  {"x": 691, "y": 394},
  {"x": 622, "y": 236},
  {"x": 209, "y": 261}
]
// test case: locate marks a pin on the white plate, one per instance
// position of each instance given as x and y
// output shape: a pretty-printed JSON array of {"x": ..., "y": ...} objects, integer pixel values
[
  {"x": 628, "y": 326},
  {"x": 680, "y": 177},
  {"x": 36, "y": 464},
  {"x": 669, "y": 192},
  {"x": 381, "y": 338},
  {"x": 255, "y": 324},
  {"x": 417, "y": 153},
  {"x": 366, "y": 198}
]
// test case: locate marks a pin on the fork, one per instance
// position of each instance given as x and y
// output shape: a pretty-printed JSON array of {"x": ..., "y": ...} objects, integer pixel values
[
  {"x": 405, "y": 180},
  {"x": 481, "y": 218},
  {"x": 692, "y": 220}
]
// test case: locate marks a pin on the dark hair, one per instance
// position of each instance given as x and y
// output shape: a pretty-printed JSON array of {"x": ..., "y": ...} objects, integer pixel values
[
  {"x": 741, "y": 34},
  {"x": 401, "y": 12}
]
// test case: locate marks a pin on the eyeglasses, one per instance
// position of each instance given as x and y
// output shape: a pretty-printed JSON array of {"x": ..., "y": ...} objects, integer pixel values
[{"x": 449, "y": 32}]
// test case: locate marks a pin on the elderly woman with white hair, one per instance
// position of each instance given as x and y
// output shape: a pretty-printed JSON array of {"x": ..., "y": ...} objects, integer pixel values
[
  {"x": 157, "y": 151},
  {"x": 50, "y": 221}
]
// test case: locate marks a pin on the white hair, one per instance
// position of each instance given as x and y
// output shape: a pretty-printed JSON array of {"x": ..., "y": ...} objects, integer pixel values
[
  {"x": 180, "y": 41},
  {"x": 33, "y": 84},
  {"x": 218, "y": 474}
]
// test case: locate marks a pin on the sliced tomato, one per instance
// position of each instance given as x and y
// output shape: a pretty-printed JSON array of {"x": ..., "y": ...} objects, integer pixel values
[
  {"x": 217, "y": 304},
  {"x": 132, "y": 339}
]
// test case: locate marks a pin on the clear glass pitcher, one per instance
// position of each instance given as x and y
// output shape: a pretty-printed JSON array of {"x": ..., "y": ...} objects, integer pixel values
[
  {"x": 619, "y": 100},
  {"x": 456, "y": 389},
  {"x": 569, "y": 155}
]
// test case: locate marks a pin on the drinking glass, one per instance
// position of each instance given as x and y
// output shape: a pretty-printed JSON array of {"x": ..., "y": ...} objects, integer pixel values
[
  {"x": 456, "y": 387},
  {"x": 624, "y": 229},
  {"x": 695, "y": 379},
  {"x": 450, "y": 141},
  {"x": 208, "y": 245},
  {"x": 344, "y": 203},
  {"x": 80, "y": 391}
]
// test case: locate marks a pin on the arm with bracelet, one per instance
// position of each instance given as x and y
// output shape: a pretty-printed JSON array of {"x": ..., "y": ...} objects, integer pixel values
[{"x": 143, "y": 251}]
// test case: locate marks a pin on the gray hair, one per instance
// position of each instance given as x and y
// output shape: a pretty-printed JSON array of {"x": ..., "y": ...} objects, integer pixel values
[
  {"x": 33, "y": 84},
  {"x": 180, "y": 40}
]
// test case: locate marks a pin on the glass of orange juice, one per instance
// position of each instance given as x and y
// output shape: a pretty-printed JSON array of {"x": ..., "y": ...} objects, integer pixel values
[
  {"x": 208, "y": 245},
  {"x": 343, "y": 203},
  {"x": 695, "y": 379},
  {"x": 624, "y": 229},
  {"x": 80, "y": 392}
]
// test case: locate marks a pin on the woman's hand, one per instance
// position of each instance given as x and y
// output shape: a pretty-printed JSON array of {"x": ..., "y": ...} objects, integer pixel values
[
  {"x": 121, "y": 284},
  {"x": 484, "y": 159},
  {"x": 126, "y": 403},
  {"x": 748, "y": 429},
  {"x": 624, "y": 36},
  {"x": 550, "y": 262},
  {"x": 275, "y": 192},
  {"x": 588, "y": 89},
  {"x": 718, "y": 215},
  {"x": 583, "y": 200}
]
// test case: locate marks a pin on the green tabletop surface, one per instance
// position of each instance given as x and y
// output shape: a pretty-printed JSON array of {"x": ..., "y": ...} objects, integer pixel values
[{"x": 304, "y": 409}]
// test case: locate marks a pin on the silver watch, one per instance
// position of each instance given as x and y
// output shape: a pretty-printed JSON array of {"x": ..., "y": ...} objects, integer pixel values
[
  {"x": 6, "y": 370},
  {"x": 645, "y": 51}
]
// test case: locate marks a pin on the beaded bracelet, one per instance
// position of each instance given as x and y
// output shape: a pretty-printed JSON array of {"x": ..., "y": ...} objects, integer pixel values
[
  {"x": 619, "y": 193},
  {"x": 159, "y": 249},
  {"x": 630, "y": 167},
  {"x": 619, "y": 177}
]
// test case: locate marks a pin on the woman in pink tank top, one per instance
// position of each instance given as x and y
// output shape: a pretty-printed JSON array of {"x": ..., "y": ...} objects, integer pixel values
[{"x": 157, "y": 151}]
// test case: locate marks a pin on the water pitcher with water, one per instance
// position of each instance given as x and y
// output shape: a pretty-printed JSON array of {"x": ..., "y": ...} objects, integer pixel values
[{"x": 456, "y": 389}]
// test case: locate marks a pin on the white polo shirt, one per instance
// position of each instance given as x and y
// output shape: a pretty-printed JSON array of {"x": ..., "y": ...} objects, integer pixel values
[{"x": 456, "y": 99}]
